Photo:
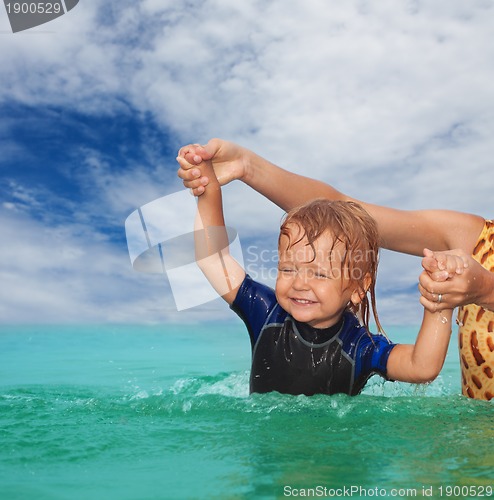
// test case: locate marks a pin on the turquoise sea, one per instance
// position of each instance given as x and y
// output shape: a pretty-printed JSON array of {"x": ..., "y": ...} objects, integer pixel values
[{"x": 163, "y": 412}]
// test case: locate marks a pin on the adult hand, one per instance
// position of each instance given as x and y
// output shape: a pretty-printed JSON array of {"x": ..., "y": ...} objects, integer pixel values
[{"x": 229, "y": 160}]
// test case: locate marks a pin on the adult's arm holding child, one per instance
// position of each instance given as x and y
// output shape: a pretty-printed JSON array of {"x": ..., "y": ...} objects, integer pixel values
[{"x": 407, "y": 231}]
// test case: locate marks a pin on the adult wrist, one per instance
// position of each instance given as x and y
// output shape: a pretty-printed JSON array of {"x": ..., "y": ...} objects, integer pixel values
[
  {"x": 248, "y": 163},
  {"x": 252, "y": 168}
]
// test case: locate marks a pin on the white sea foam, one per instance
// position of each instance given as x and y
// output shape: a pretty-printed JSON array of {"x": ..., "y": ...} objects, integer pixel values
[{"x": 235, "y": 385}]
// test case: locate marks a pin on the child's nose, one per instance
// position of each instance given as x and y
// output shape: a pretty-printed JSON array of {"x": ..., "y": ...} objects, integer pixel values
[{"x": 300, "y": 281}]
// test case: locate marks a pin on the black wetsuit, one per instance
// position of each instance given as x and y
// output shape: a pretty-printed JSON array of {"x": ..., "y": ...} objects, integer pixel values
[{"x": 294, "y": 358}]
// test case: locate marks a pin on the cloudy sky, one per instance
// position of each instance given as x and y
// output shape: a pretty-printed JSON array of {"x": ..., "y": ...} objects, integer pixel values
[{"x": 391, "y": 102}]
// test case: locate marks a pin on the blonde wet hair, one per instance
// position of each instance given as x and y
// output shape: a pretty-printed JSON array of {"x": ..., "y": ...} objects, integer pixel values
[{"x": 349, "y": 224}]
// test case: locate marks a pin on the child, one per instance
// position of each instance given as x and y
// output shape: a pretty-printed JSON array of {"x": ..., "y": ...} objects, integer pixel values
[{"x": 305, "y": 335}]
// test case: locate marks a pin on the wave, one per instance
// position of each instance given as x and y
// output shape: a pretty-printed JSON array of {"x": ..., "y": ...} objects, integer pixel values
[{"x": 218, "y": 392}]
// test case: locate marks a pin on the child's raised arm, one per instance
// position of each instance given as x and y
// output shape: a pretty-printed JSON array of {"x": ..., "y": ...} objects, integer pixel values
[
  {"x": 211, "y": 239},
  {"x": 421, "y": 362}
]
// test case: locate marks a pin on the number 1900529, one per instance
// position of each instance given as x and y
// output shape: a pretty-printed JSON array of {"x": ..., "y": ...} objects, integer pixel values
[{"x": 34, "y": 8}]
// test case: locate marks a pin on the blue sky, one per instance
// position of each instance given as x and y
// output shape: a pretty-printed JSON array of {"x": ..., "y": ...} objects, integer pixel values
[{"x": 390, "y": 101}]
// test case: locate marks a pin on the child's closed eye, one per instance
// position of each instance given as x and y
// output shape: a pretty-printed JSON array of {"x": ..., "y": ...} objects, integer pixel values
[
  {"x": 287, "y": 270},
  {"x": 322, "y": 275}
]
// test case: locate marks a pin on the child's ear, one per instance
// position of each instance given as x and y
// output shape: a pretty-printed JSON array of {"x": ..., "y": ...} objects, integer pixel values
[
  {"x": 357, "y": 296},
  {"x": 359, "y": 293}
]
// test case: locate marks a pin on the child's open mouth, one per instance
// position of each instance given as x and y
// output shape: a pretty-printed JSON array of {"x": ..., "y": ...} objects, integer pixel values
[{"x": 302, "y": 301}]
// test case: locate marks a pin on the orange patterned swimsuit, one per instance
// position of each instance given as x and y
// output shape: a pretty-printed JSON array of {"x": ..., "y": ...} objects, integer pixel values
[{"x": 476, "y": 334}]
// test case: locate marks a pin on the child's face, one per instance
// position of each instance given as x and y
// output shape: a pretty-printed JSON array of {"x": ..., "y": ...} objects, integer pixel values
[{"x": 313, "y": 290}]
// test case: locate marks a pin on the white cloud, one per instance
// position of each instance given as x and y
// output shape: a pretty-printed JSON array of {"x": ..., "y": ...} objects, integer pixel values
[{"x": 66, "y": 274}]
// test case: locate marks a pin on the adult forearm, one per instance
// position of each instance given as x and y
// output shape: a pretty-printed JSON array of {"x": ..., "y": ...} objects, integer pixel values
[
  {"x": 402, "y": 231},
  {"x": 285, "y": 189}
]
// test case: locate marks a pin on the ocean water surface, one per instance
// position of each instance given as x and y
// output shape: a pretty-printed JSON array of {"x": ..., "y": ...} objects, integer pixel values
[{"x": 164, "y": 412}]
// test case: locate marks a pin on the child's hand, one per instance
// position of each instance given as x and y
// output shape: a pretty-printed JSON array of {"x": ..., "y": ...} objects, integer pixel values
[{"x": 442, "y": 266}]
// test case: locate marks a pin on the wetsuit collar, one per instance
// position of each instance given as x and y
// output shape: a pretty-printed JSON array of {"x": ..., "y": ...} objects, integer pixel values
[{"x": 318, "y": 335}]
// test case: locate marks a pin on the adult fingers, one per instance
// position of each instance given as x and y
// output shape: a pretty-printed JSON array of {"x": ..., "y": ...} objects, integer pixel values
[
  {"x": 426, "y": 283},
  {"x": 191, "y": 177},
  {"x": 188, "y": 172},
  {"x": 193, "y": 182},
  {"x": 427, "y": 294},
  {"x": 430, "y": 289},
  {"x": 430, "y": 306}
]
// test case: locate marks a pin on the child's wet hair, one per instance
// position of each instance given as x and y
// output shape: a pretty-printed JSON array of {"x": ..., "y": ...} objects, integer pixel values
[{"x": 348, "y": 223}]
